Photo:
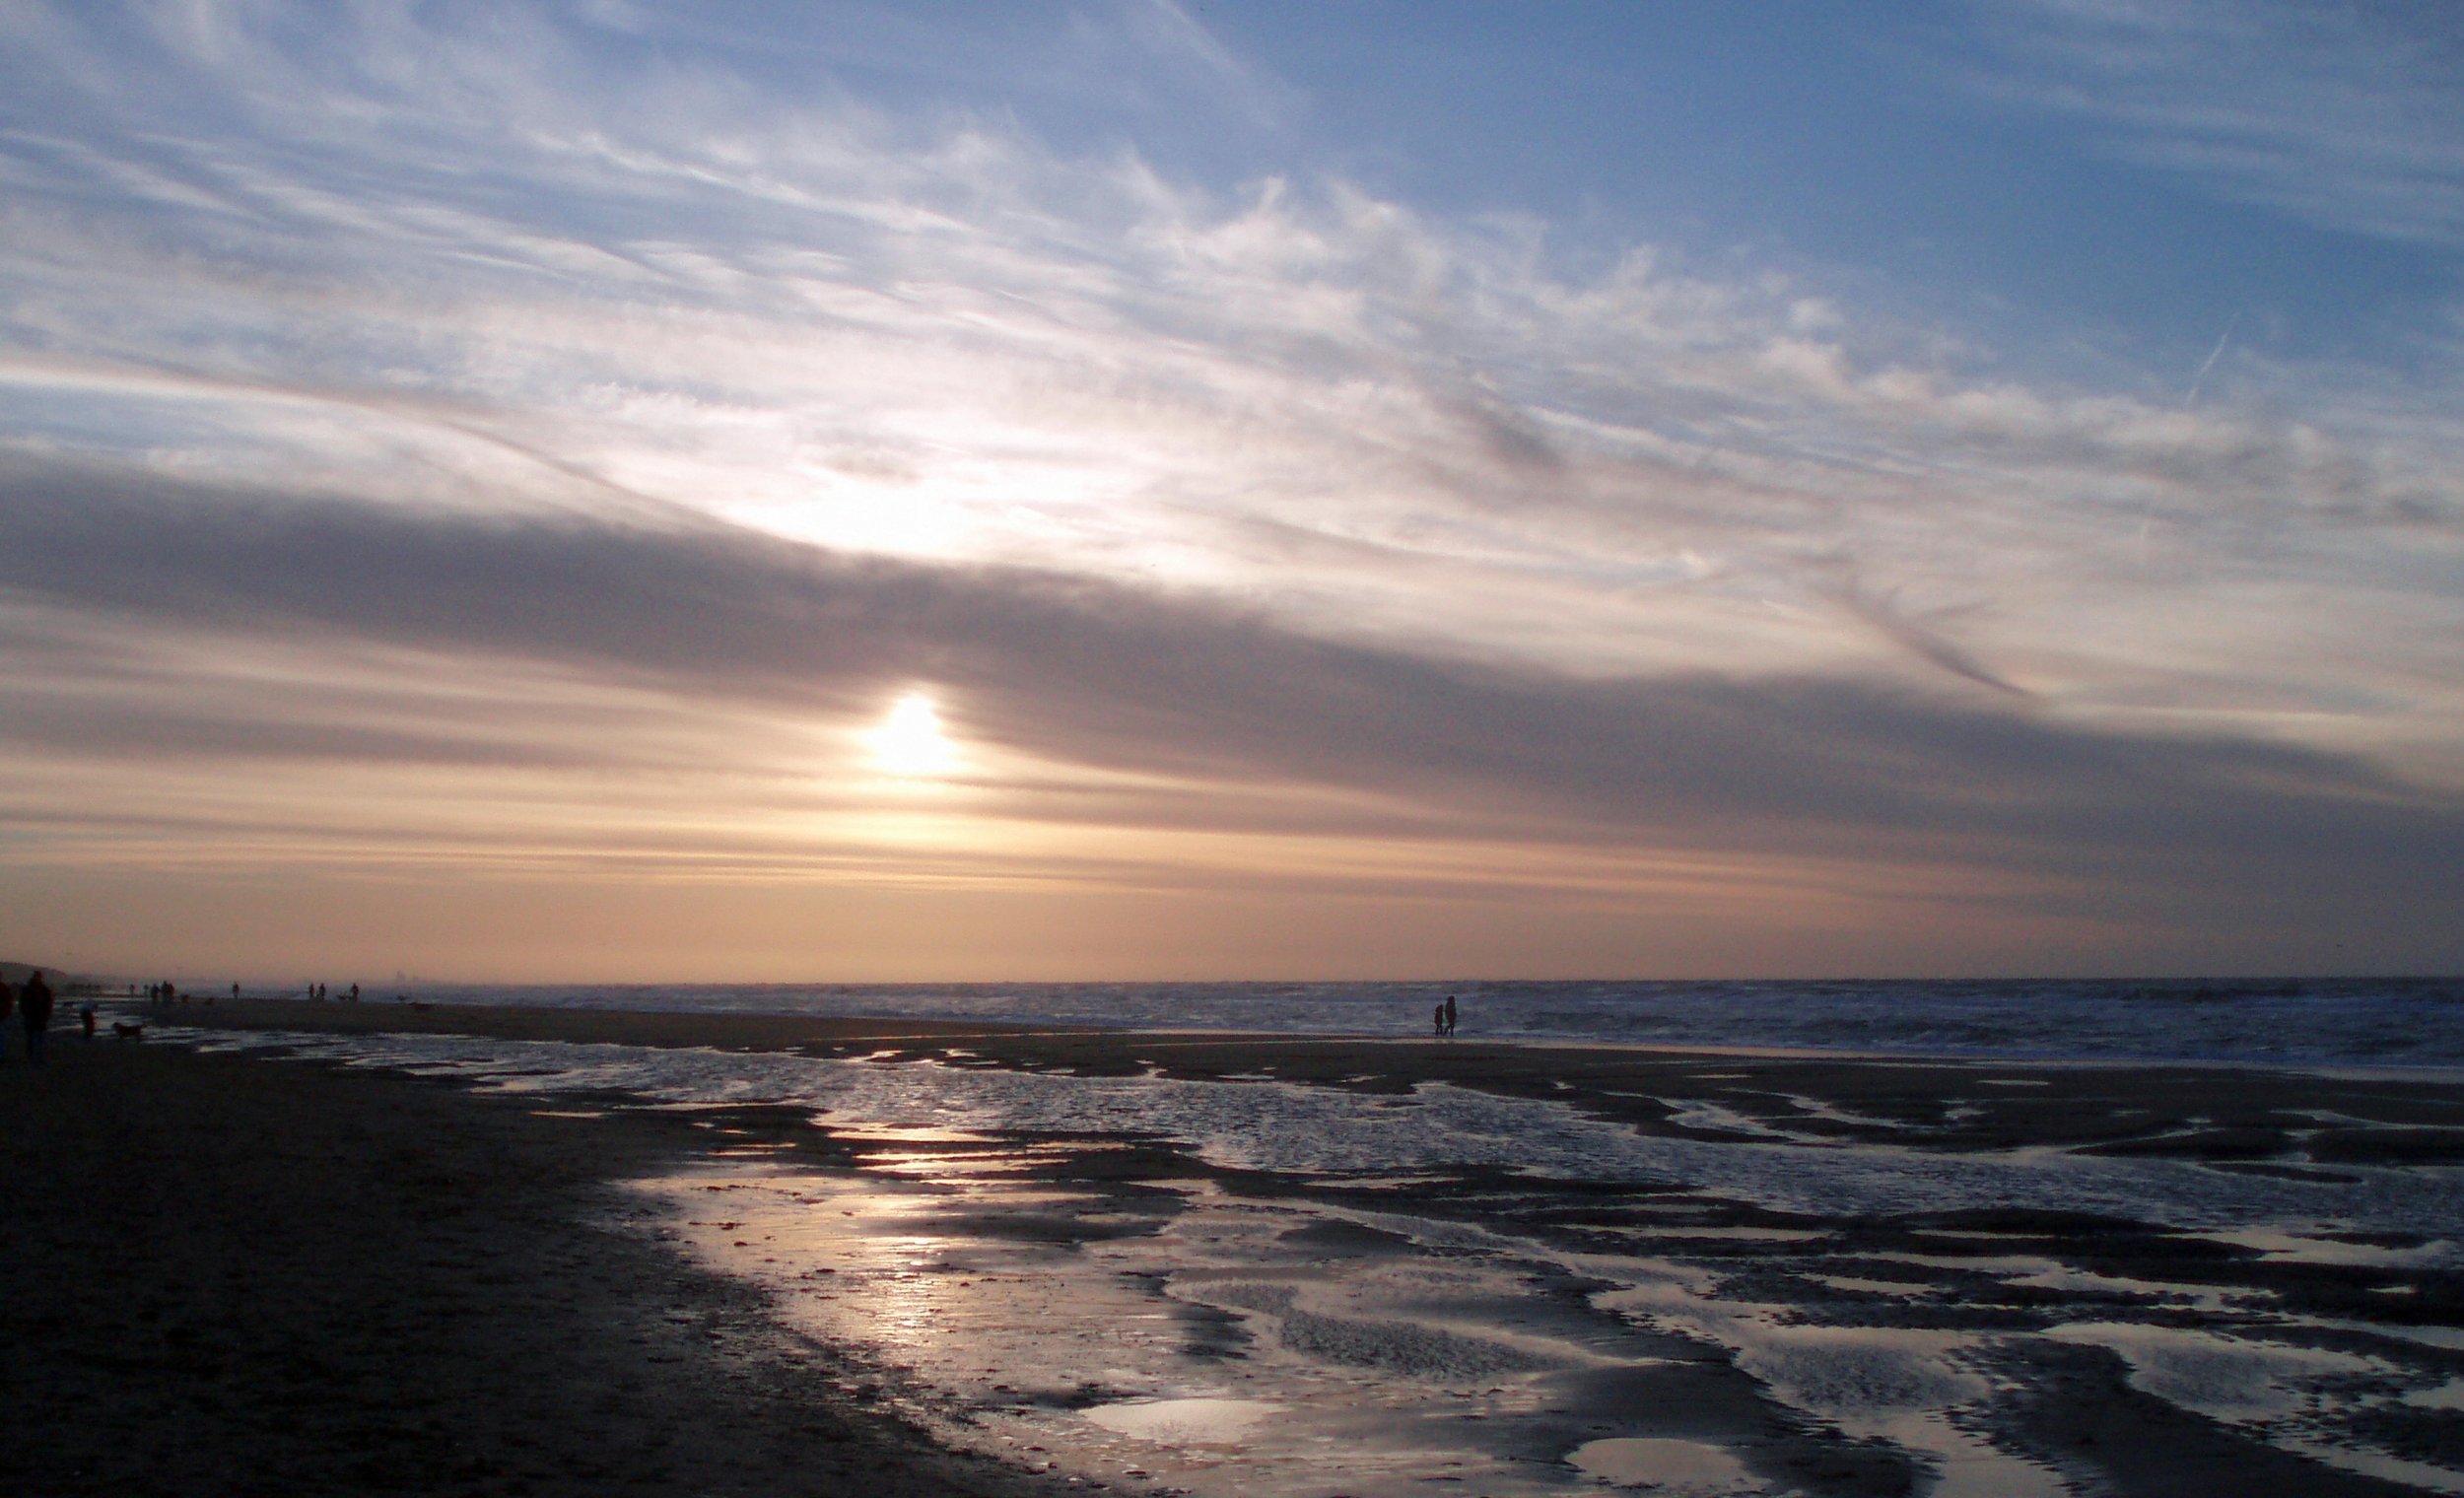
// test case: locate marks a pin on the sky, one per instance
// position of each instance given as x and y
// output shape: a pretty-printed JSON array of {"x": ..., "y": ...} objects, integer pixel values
[{"x": 1149, "y": 488}]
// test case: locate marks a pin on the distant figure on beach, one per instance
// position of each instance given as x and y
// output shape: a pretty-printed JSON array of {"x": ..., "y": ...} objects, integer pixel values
[
  {"x": 235, "y": 993},
  {"x": 1449, "y": 1012},
  {"x": 34, "y": 1011},
  {"x": 1437, "y": 1019},
  {"x": 355, "y": 993},
  {"x": 85, "y": 1016}
]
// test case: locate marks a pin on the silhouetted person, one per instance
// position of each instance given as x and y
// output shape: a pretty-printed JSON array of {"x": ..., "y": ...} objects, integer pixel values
[
  {"x": 1437, "y": 1020},
  {"x": 235, "y": 993},
  {"x": 1449, "y": 1012},
  {"x": 355, "y": 993},
  {"x": 85, "y": 1016},
  {"x": 34, "y": 1011}
]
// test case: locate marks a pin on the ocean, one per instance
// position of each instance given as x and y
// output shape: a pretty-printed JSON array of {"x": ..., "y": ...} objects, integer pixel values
[{"x": 2367, "y": 1022}]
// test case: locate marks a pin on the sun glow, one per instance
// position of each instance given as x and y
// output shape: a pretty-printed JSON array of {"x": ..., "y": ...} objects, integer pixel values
[{"x": 909, "y": 741}]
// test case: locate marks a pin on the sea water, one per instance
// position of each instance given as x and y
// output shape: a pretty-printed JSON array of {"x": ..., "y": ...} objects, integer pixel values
[{"x": 2378, "y": 1022}]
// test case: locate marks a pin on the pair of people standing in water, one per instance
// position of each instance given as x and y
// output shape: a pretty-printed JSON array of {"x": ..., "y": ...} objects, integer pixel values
[{"x": 1444, "y": 1016}]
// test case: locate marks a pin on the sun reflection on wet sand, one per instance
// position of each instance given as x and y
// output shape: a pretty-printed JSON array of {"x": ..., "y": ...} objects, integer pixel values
[
  {"x": 1189, "y": 1422},
  {"x": 1222, "y": 1347},
  {"x": 1087, "y": 1349}
]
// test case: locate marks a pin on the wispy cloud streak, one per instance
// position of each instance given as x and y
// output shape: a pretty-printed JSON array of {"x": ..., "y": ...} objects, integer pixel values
[{"x": 2350, "y": 116}]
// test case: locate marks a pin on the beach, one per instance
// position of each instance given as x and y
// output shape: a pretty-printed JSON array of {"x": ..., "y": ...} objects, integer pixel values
[
  {"x": 493, "y": 1246},
  {"x": 231, "y": 1277}
]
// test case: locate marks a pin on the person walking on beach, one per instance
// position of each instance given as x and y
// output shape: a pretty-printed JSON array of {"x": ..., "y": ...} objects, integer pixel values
[
  {"x": 33, "y": 1010},
  {"x": 1437, "y": 1020},
  {"x": 1449, "y": 1012}
]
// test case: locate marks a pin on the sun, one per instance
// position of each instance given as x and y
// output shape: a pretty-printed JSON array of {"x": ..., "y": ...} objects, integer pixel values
[{"x": 909, "y": 741}]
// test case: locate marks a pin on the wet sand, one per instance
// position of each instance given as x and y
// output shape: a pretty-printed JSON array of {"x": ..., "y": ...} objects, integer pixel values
[
  {"x": 2070, "y": 1408},
  {"x": 223, "y": 1276}
]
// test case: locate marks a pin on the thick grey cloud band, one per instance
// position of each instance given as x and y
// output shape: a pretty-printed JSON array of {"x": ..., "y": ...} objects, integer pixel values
[{"x": 1105, "y": 675}]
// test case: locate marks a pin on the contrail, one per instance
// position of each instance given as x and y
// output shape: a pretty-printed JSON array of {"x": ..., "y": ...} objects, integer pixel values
[{"x": 2200, "y": 379}]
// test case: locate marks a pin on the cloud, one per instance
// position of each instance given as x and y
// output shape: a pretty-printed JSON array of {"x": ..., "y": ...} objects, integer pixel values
[
  {"x": 1086, "y": 676},
  {"x": 483, "y": 417},
  {"x": 2351, "y": 117},
  {"x": 1920, "y": 640}
]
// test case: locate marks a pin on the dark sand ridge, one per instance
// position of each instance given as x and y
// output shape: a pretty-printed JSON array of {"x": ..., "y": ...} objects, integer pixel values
[{"x": 2079, "y": 1411}]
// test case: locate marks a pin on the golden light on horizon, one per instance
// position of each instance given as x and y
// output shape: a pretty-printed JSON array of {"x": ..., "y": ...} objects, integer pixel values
[{"x": 909, "y": 741}]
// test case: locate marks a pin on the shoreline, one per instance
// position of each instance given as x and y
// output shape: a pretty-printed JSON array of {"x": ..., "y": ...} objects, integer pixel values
[
  {"x": 784, "y": 1030},
  {"x": 2226, "y": 1115}
]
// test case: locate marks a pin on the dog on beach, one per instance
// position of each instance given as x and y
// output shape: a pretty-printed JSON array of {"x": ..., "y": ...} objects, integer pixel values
[{"x": 126, "y": 1031}]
